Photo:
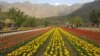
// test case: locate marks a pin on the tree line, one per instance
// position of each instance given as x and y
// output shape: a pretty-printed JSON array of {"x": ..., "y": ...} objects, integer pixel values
[
  {"x": 15, "y": 18},
  {"x": 93, "y": 20}
]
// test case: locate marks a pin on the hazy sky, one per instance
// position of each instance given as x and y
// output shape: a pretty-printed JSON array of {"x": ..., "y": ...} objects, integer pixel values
[{"x": 53, "y": 2}]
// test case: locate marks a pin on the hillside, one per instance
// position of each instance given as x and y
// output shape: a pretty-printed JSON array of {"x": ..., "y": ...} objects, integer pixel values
[
  {"x": 41, "y": 10},
  {"x": 86, "y": 9}
]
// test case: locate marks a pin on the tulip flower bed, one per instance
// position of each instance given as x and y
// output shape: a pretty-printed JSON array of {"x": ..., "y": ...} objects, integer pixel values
[
  {"x": 83, "y": 47},
  {"x": 56, "y": 46},
  {"x": 56, "y": 42},
  {"x": 31, "y": 48},
  {"x": 10, "y": 42},
  {"x": 92, "y": 36}
]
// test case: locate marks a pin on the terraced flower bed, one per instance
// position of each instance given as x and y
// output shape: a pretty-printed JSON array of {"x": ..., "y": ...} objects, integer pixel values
[{"x": 55, "y": 42}]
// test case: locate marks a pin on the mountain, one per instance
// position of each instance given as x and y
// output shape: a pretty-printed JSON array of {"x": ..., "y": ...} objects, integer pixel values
[
  {"x": 41, "y": 10},
  {"x": 85, "y": 10}
]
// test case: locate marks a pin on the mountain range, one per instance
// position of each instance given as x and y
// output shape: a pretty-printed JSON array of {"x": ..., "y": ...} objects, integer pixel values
[
  {"x": 41, "y": 10},
  {"x": 85, "y": 10}
]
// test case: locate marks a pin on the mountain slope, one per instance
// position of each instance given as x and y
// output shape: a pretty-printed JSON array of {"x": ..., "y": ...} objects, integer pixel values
[
  {"x": 86, "y": 9},
  {"x": 41, "y": 10}
]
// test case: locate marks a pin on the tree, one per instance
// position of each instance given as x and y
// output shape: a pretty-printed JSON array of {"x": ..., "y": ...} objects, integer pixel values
[
  {"x": 95, "y": 17},
  {"x": 2, "y": 15},
  {"x": 76, "y": 21},
  {"x": 30, "y": 22},
  {"x": 17, "y": 16},
  {"x": 12, "y": 13},
  {"x": 2, "y": 19},
  {"x": 21, "y": 18},
  {"x": 46, "y": 23}
]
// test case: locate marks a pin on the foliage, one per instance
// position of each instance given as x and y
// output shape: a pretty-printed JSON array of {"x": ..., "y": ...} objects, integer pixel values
[
  {"x": 46, "y": 23},
  {"x": 75, "y": 20},
  {"x": 17, "y": 16},
  {"x": 20, "y": 19},
  {"x": 95, "y": 17},
  {"x": 30, "y": 22}
]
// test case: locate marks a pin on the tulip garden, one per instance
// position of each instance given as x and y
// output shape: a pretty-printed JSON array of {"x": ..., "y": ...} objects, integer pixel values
[{"x": 52, "y": 41}]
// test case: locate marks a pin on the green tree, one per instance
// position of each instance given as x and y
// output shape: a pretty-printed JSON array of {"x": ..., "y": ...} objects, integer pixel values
[
  {"x": 46, "y": 23},
  {"x": 21, "y": 18},
  {"x": 30, "y": 22},
  {"x": 12, "y": 13},
  {"x": 95, "y": 17},
  {"x": 2, "y": 19},
  {"x": 2, "y": 15},
  {"x": 17, "y": 16},
  {"x": 76, "y": 20}
]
